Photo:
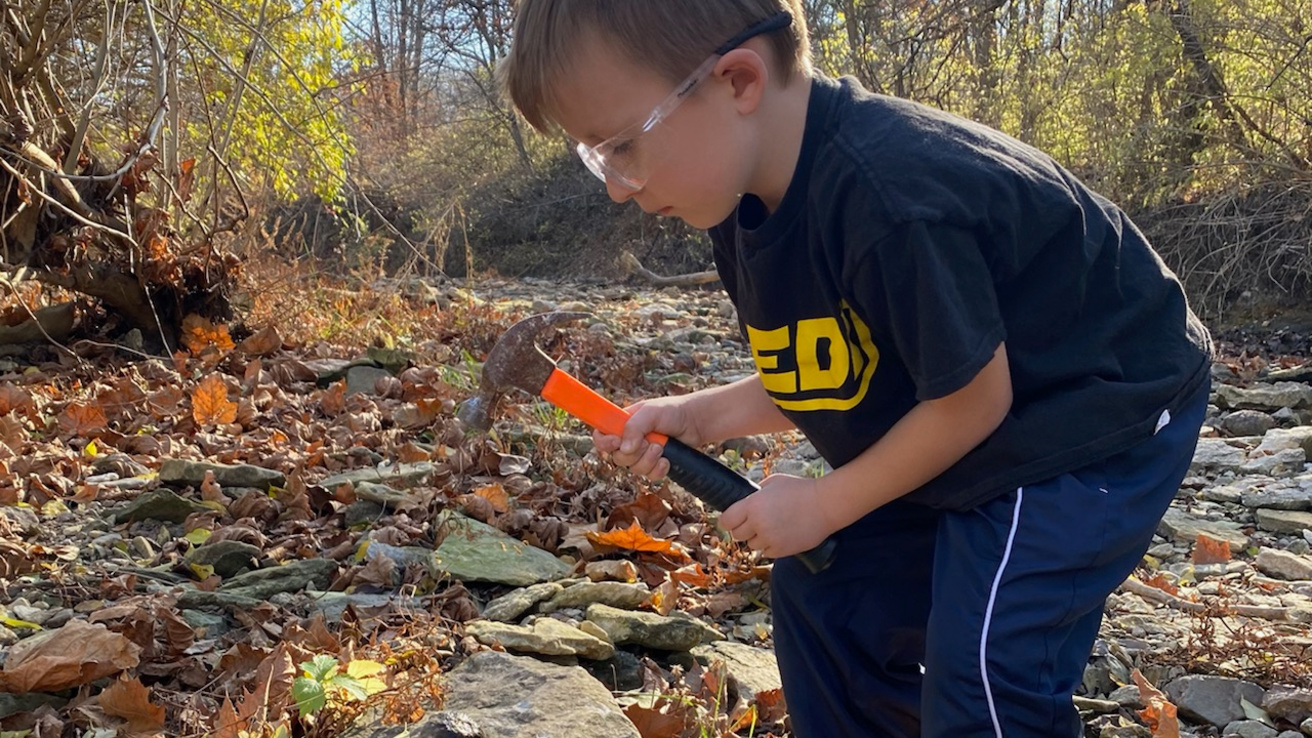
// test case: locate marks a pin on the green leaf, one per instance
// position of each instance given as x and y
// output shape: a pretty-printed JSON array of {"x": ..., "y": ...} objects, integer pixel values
[
  {"x": 321, "y": 668},
  {"x": 309, "y": 695}
]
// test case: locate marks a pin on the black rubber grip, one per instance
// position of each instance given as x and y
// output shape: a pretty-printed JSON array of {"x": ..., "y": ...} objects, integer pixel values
[{"x": 719, "y": 486}]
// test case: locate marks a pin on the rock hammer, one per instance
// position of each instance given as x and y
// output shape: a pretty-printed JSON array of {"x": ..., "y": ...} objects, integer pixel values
[{"x": 516, "y": 361}]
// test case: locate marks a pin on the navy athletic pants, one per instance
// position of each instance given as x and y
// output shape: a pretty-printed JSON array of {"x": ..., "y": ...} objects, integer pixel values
[{"x": 974, "y": 624}]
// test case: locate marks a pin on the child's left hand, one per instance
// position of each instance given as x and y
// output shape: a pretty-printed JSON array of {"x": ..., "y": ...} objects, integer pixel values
[{"x": 786, "y": 516}]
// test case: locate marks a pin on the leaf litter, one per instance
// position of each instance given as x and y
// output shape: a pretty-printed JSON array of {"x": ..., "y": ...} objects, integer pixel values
[{"x": 122, "y": 639}]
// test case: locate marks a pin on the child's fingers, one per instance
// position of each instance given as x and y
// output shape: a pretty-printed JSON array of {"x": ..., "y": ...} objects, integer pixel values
[{"x": 604, "y": 442}]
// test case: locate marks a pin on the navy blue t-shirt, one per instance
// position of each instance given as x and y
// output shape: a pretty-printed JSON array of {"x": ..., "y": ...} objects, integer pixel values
[{"x": 908, "y": 246}]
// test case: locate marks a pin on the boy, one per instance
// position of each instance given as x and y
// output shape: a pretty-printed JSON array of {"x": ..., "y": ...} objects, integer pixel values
[{"x": 1006, "y": 379}]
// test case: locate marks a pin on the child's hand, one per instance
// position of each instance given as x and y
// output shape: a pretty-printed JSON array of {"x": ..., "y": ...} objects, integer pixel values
[
  {"x": 668, "y": 415},
  {"x": 786, "y": 516}
]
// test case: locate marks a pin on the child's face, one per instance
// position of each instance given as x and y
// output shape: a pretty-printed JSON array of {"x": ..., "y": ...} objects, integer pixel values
[{"x": 691, "y": 164}]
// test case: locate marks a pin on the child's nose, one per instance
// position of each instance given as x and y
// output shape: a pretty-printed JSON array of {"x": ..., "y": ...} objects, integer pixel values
[{"x": 619, "y": 192}]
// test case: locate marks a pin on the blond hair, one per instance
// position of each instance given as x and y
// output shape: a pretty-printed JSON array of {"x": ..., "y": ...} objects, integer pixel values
[{"x": 670, "y": 36}]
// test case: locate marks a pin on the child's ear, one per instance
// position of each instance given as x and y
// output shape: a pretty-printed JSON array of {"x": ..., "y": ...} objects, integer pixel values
[{"x": 747, "y": 76}]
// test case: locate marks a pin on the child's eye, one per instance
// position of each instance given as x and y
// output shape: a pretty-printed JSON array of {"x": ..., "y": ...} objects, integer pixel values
[{"x": 622, "y": 148}]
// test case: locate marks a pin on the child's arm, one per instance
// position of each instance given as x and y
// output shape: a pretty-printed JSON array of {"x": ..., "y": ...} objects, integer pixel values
[
  {"x": 706, "y": 416},
  {"x": 791, "y": 514}
]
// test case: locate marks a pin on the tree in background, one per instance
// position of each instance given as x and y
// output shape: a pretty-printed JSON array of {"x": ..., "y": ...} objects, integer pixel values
[{"x": 133, "y": 134}]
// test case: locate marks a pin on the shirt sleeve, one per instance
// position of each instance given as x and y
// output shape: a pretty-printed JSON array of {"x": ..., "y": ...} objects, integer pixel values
[{"x": 928, "y": 287}]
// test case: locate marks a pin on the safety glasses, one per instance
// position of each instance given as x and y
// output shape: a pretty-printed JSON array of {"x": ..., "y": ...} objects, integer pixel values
[{"x": 629, "y": 157}]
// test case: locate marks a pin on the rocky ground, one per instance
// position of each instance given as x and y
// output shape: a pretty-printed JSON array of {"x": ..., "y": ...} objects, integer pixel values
[{"x": 169, "y": 569}]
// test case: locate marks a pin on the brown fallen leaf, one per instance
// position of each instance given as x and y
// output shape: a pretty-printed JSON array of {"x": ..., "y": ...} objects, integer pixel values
[
  {"x": 1208, "y": 550},
  {"x": 130, "y": 699},
  {"x": 82, "y": 419},
  {"x": 210, "y": 404},
  {"x": 1159, "y": 713},
  {"x": 76, "y": 654},
  {"x": 199, "y": 334},
  {"x": 263, "y": 342},
  {"x": 657, "y": 722},
  {"x": 210, "y": 491}
]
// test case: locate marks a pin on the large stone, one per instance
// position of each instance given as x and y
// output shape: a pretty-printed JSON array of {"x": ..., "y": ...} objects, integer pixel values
[
  {"x": 520, "y": 697},
  {"x": 159, "y": 504},
  {"x": 1288, "y": 703},
  {"x": 1212, "y": 699},
  {"x": 361, "y": 379},
  {"x": 1283, "y": 463},
  {"x": 511, "y": 605},
  {"x": 476, "y": 552},
  {"x": 546, "y": 636},
  {"x": 1247, "y": 423},
  {"x": 295, "y": 576},
  {"x": 332, "y": 605},
  {"x": 754, "y": 670},
  {"x": 616, "y": 594},
  {"x": 647, "y": 629},
  {"x": 1285, "y": 498},
  {"x": 227, "y": 557},
  {"x": 1286, "y": 439},
  {"x": 1264, "y": 396},
  {"x": 380, "y": 494},
  {"x": 1283, "y": 564},
  {"x": 1284, "y": 521},
  {"x": 1216, "y": 456},
  {"x": 1180, "y": 526},
  {"x": 184, "y": 472},
  {"x": 384, "y": 474}
]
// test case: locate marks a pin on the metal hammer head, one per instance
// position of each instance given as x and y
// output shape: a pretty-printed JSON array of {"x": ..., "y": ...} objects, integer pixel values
[{"x": 514, "y": 361}]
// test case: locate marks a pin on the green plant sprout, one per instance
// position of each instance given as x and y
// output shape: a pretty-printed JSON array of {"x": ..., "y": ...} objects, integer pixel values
[{"x": 322, "y": 680}]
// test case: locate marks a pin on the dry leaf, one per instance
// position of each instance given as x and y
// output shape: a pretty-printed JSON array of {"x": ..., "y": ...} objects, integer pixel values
[
  {"x": 333, "y": 399},
  {"x": 691, "y": 575},
  {"x": 130, "y": 699},
  {"x": 632, "y": 538},
  {"x": 263, "y": 342},
  {"x": 655, "y": 723},
  {"x": 1162, "y": 583},
  {"x": 81, "y": 419},
  {"x": 16, "y": 400},
  {"x": 226, "y": 723},
  {"x": 199, "y": 334},
  {"x": 273, "y": 689},
  {"x": 76, "y": 654},
  {"x": 1159, "y": 713},
  {"x": 210, "y": 491},
  {"x": 496, "y": 495},
  {"x": 1208, "y": 550},
  {"x": 210, "y": 404}
]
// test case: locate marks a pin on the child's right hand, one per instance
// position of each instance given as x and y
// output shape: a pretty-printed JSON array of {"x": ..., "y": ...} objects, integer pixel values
[{"x": 668, "y": 415}]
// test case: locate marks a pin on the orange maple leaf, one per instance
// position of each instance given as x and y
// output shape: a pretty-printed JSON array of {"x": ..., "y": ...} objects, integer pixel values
[
  {"x": 210, "y": 404},
  {"x": 80, "y": 419},
  {"x": 199, "y": 334},
  {"x": 633, "y": 538},
  {"x": 1208, "y": 550}
]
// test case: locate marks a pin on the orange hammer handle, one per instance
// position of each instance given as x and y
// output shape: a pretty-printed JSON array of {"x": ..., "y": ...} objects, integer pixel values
[{"x": 579, "y": 400}]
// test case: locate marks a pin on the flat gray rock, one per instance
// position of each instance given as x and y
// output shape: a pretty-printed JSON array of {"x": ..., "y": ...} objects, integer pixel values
[
  {"x": 1212, "y": 699},
  {"x": 184, "y": 472},
  {"x": 1180, "y": 526},
  {"x": 476, "y": 552},
  {"x": 295, "y": 576},
  {"x": 520, "y": 697}
]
